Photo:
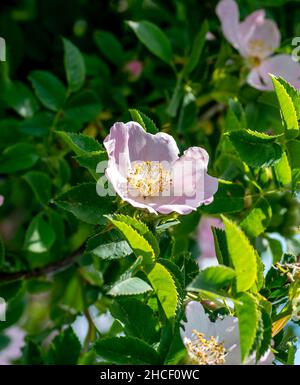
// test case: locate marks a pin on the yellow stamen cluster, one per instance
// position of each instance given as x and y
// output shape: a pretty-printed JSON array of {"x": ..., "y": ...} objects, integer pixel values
[
  {"x": 149, "y": 178},
  {"x": 205, "y": 352}
]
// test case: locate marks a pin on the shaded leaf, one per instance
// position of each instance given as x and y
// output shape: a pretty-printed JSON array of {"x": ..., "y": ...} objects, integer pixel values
[
  {"x": 126, "y": 350},
  {"x": 49, "y": 89},
  {"x": 153, "y": 38},
  {"x": 74, "y": 66}
]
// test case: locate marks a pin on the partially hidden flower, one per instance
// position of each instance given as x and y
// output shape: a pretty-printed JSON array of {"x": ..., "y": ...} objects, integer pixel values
[
  {"x": 1, "y": 200},
  {"x": 205, "y": 235},
  {"x": 214, "y": 343},
  {"x": 13, "y": 350},
  {"x": 256, "y": 39},
  {"x": 134, "y": 68},
  {"x": 146, "y": 171}
]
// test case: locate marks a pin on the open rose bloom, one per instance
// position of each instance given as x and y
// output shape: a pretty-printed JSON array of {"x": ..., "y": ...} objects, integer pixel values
[
  {"x": 146, "y": 171},
  {"x": 256, "y": 39},
  {"x": 215, "y": 343}
]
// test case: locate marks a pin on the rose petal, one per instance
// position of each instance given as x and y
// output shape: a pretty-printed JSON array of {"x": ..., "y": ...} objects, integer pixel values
[
  {"x": 279, "y": 65},
  {"x": 228, "y": 13},
  {"x": 262, "y": 39},
  {"x": 196, "y": 319},
  {"x": 147, "y": 147},
  {"x": 247, "y": 26}
]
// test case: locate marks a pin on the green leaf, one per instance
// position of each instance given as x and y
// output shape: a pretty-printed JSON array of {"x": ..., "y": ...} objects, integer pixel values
[
  {"x": 176, "y": 98},
  {"x": 197, "y": 49},
  {"x": 213, "y": 279},
  {"x": 153, "y": 38},
  {"x": 254, "y": 148},
  {"x": 147, "y": 123},
  {"x": 19, "y": 97},
  {"x": 257, "y": 219},
  {"x": 39, "y": 236},
  {"x": 108, "y": 246},
  {"x": 20, "y": 156},
  {"x": 221, "y": 246},
  {"x": 293, "y": 93},
  {"x": 37, "y": 126},
  {"x": 247, "y": 324},
  {"x": 67, "y": 341},
  {"x": 288, "y": 110},
  {"x": 74, "y": 66},
  {"x": 283, "y": 171},
  {"x": 138, "y": 243},
  {"x": 130, "y": 286},
  {"x": 130, "y": 312},
  {"x": 228, "y": 199},
  {"x": 235, "y": 117},
  {"x": 136, "y": 116},
  {"x": 79, "y": 143},
  {"x": 10, "y": 133},
  {"x": 31, "y": 353},
  {"x": 293, "y": 147},
  {"x": 242, "y": 255},
  {"x": 267, "y": 334},
  {"x": 83, "y": 107},
  {"x": 142, "y": 230},
  {"x": 91, "y": 160},
  {"x": 41, "y": 185},
  {"x": 165, "y": 289},
  {"x": 126, "y": 350},
  {"x": 85, "y": 204},
  {"x": 49, "y": 89},
  {"x": 110, "y": 47}
]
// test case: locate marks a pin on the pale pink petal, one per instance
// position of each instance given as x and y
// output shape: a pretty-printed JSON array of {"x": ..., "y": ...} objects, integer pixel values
[
  {"x": 262, "y": 40},
  {"x": 192, "y": 186},
  {"x": 1, "y": 200},
  {"x": 279, "y": 65},
  {"x": 144, "y": 146},
  {"x": 228, "y": 13},
  {"x": 247, "y": 27},
  {"x": 248, "y": 24}
]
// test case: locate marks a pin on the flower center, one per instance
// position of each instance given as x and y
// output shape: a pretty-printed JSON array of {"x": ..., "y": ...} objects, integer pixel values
[
  {"x": 149, "y": 178},
  {"x": 254, "y": 62},
  {"x": 205, "y": 352},
  {"x": 258, "y": 48}
]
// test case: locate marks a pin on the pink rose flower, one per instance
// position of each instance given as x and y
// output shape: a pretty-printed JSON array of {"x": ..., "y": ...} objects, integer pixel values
[
  {"x": 13, "y": 350},
  {"x": 146, "y": 171},
  {"x": 256, "y": 39},
  {"x": 134, "y": 67},
  {"x": 1, "y": 200}
]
